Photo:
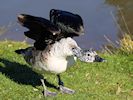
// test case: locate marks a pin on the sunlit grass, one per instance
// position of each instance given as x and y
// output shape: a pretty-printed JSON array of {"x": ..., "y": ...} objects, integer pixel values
[
  {"x": 126, "y": 44},
  {"x": 111, "y": 80}
]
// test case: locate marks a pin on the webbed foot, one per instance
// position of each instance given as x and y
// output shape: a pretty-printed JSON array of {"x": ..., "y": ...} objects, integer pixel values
[
  {"x": 66, "y": 90},
  {"x": 49, "y": 93}
]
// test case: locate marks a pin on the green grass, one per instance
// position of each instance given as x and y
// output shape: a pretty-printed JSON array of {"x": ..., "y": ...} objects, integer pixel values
[{"x": 111, "y": 80}]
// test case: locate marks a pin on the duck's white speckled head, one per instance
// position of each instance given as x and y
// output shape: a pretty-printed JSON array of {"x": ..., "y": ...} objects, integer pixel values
[{"x": 90, "y": 56}]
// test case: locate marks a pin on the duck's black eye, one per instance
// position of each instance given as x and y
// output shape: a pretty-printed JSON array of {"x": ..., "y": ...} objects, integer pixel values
[
  {"x": 88, "y": 54},
  {"x": 73, "y": 48}
]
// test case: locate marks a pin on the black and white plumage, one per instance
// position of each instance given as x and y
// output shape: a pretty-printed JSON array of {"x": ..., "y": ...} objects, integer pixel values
[
  {"x": 40, "y": 29},
  {"x": 54, "y": 57},
  {"x": 62, "y": 24},
  {"x": 54, "y": 49}
]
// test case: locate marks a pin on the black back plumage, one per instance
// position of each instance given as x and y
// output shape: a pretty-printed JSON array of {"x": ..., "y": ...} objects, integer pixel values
[{"x": 62, "y": 24}]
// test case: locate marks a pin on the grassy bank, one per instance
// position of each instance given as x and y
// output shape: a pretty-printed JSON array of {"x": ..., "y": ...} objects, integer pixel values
[{"x": 111, "y": 80}]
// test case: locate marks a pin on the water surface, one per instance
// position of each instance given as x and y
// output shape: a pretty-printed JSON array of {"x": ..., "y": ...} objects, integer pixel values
[{"x": 95, "y": 13}]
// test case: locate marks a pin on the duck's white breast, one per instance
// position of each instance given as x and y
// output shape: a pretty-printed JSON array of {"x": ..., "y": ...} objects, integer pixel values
[
  {"x": 58, "y": 56},
  {"x": 56, "y": 65}
]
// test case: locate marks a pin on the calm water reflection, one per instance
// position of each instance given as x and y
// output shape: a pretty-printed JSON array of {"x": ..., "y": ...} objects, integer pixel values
[{"x": 95, "y": 13}]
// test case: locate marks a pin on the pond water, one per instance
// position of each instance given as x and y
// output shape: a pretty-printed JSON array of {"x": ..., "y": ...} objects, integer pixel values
[{"x": 96, "y": 15}]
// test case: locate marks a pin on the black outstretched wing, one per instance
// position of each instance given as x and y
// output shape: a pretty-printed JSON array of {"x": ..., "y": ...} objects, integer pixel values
[
  {"x": 41, "y": 30},
  {"x": 69, "y": 23},
  {"x": 62, "y": 24},
  {"x": 38, "y": 27}
]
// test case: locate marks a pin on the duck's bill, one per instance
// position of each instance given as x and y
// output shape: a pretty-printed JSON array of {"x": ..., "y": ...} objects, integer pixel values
[{"x": 99, "y": 59}]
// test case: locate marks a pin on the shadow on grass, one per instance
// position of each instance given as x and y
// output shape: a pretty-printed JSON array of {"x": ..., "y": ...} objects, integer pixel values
[{"x": 22, "y": 74}]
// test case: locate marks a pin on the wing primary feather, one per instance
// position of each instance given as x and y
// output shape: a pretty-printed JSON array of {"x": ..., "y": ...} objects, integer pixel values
[{"x": 71, "y": 24}]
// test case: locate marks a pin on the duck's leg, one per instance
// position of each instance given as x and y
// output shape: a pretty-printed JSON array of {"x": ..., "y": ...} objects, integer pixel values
[
  {"x": 62, "y": 88},
  {"x": 47, "y": 92}
]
